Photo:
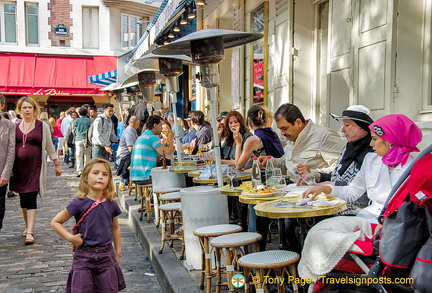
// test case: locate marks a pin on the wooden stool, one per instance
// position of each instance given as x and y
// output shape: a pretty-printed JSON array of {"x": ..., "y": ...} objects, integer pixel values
[
  {"x": 132, "y": 186},
  {"x": 204, "y": 234},
  {"x": 171, "y": 215},
  {"x": 170, "y": 197},
  {"x": 266, "y": 262},
  {"x": 235, "y": 246},
  {"x": 144, "y": 193},
  {"x": 156, "y": 195}
]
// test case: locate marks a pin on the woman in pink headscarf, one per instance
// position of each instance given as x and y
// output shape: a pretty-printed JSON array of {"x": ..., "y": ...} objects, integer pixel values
[{"x": 394, "y": 137}]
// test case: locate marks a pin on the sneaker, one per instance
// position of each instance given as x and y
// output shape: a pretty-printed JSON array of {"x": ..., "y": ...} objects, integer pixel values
[
  {"x": 122, "y": 187},
  {"x": 79, "y": 174}
]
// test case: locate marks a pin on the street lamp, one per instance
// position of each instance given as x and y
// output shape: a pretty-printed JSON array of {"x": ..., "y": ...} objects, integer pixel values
[{"x": 207, "y": 49}]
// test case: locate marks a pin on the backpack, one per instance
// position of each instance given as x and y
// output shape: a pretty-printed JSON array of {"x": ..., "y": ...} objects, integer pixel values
[{"x": 90, "y": 131}]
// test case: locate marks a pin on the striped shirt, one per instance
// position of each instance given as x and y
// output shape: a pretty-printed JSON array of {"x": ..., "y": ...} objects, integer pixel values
[{"x": 144, "y": 155}]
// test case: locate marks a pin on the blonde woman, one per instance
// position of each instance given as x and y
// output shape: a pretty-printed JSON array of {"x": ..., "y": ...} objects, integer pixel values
[{"x": 33, "y": 138}]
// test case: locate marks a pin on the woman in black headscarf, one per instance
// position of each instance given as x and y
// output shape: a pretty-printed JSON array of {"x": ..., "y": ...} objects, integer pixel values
[{"x": 356, "y": 121}]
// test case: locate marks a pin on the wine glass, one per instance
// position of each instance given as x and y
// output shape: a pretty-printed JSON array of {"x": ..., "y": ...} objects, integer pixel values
[
  {"x": 231, "y": 172},
  {"x": 280, "y": 186},
  {"x": 309, "y": 178},
  {"x": 202, "y": 148}
]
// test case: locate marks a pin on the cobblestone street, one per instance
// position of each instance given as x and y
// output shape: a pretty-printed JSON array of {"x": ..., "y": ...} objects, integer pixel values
[{"x": 44, "y": 266}]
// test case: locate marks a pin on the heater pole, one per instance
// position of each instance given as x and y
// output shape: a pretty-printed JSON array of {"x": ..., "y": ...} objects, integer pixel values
[
  {"x": 211, "y": 96},
  {"x": 172, "y": 88}
]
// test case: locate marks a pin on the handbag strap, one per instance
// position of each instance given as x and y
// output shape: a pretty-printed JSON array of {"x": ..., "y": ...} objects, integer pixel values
[{"x": 94, "y": 205}]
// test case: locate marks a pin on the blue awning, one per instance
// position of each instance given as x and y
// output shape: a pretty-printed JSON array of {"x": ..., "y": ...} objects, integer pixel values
[{"x": 104, "y": 79}]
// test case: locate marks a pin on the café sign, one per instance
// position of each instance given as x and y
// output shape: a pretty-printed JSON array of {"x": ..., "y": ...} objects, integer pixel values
[{"x": 50, "y": 92}]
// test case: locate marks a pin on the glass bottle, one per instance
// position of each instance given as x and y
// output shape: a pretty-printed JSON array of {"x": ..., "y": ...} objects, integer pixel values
[
  {"x": 269, "y": 173},
  {"x": 256, "y": 173}
]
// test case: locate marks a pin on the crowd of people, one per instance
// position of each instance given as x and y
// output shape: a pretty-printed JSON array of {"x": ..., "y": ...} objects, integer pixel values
[{"x": 361, "y": 169}]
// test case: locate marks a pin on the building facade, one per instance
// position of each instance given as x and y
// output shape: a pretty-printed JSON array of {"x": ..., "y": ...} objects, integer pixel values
[{"x": 49, "y": 48}]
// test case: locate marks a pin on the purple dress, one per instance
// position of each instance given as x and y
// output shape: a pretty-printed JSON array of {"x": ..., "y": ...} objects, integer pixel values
[
  {"x": 94, "y": 266},
  {"x": 28, "y": 160}
]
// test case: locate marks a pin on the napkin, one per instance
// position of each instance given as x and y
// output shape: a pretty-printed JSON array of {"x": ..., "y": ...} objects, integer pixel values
[
  {"x": 302, "y": 201},
  {"x": 323, "y": 203},
  {"x": 211, "y": 170}
]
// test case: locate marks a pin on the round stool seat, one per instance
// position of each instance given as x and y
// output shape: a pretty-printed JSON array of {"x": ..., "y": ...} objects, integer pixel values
[
  {"x": 170, "y": 196},
  {"x": 269, "y": 259},
  {"x": 236, "y": 239},
  {"x": 170, "y": 206},
  {"x": 217, "y": 230},
  {"x": 166, "y": 189}
]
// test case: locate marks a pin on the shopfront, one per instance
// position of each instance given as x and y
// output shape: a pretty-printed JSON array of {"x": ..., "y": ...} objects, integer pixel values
[{"x": 55, "y": 82}]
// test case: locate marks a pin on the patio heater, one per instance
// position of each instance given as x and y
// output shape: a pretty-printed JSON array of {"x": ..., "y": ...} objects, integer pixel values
[
  {"x": 207, "y": 49},
  {"x": 171, "y": 67}
]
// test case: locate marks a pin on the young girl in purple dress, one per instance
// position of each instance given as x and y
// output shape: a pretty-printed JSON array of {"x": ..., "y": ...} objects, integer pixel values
[{"x": 95, "y": 265}]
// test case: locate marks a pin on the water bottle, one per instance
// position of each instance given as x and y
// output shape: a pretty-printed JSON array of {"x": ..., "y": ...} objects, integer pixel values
[
  {"x": 256, "y": 173},
  {"x": 270, "y": 173}
]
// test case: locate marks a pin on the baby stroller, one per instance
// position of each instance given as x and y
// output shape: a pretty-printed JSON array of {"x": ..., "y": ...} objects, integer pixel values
[{"x": 399, "y": 257}]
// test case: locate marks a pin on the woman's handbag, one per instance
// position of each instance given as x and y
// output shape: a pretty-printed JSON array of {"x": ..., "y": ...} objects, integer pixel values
[{"x": 75, "y": 227}]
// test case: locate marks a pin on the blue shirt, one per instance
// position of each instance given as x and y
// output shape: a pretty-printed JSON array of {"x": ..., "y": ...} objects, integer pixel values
[
  {"x": 144, "y": 155},
  {"x": 191, "y": 135}
]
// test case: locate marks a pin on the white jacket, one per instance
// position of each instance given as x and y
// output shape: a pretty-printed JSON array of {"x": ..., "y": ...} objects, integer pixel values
[{"x": 374, "y": 178}]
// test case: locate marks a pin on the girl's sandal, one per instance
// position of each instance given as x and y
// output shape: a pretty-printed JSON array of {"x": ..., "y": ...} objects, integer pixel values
[
  {"x": 29, "y": 241},
  {"x": 24, "y": 233}
]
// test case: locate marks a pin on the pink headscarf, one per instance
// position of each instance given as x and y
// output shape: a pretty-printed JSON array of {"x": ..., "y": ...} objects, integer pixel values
[{"x": 402, "y": 133}]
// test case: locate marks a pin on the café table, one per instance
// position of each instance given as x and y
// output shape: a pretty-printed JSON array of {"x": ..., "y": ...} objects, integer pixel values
[
  {"x": 275, "y": 210},
  {"x": 228, "y": 190},
  {"x": 185, "y": 169},
  {"x": 238, "y": 176}
]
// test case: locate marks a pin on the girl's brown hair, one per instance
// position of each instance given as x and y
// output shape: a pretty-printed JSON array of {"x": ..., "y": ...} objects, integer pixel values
[
  {"x": 36, "y": 109},
  {"x": 83, "y": 187},
  {"x": 243, "y": 126}
]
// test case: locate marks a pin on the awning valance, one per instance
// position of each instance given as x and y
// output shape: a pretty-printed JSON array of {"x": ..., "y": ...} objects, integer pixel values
[
  {"x": 34, "y": 74},
  {"x": 104, "y": 79}
]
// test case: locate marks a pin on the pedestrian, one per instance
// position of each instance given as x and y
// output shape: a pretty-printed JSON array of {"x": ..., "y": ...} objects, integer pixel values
[
  {"x": 54, "y": 135},
  {"x": 65, "y": 127},
  {"x": 7, "y": 156},
  {"x": 60, "y": 145},
  {"x": 139, "y": 110},
  {"x": 33, "y": 138},
  {"x": 80, "y": 127},
  {"x": 95, "y": 264},
  {"x": 13, "y": 116},
  {"x": 103, "y": 134}
]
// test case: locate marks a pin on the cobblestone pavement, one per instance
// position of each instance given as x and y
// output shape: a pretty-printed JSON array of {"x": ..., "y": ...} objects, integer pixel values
[{"x": 44, "y": 266}]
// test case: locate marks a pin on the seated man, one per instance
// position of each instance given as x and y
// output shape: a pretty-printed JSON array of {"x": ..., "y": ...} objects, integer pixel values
[
  {"x": 309, "y": 146},
  {"x": 146, "y": 149},
  {"x": 127, "y": 140}
]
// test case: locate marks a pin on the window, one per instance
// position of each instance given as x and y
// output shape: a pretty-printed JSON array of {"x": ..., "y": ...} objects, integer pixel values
[
  {"x": 90, "y": 28},
  {"x": 131, "y": 31},
  {"x": 32, "y": 24},
  {"x": 8, "y": 22}
]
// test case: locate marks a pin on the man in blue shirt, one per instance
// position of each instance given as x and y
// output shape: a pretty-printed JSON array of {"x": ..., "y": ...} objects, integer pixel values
[{"x": 147, "y": 148}]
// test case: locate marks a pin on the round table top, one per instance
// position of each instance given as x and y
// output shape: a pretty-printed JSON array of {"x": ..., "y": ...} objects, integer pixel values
[
  {"x": 227, "y": 190},
  {"x": 244, "y": 198},
  {"x": 184, "y": 168},
  {"x": 239, "y": 175},
  {"x": 272, "y": 209},
  {"x": 185, "y": 163}
]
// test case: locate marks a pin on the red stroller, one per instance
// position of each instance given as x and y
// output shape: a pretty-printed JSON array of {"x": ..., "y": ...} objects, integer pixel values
[{"x": 402, "y": 250}]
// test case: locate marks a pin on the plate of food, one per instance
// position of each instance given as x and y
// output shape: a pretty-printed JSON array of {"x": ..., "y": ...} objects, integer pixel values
[{"x": 259, "y": 191}]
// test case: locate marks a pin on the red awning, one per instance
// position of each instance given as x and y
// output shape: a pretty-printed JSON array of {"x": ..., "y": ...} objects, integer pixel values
[{"x": 30, "y": 74}]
